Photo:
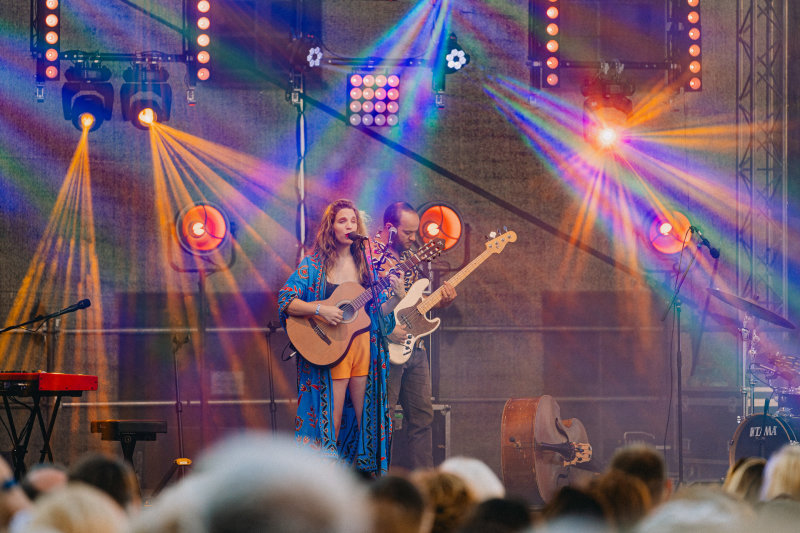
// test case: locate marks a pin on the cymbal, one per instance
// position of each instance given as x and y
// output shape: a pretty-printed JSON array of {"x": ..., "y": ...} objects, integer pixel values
[{"x": 751, "y": 308}]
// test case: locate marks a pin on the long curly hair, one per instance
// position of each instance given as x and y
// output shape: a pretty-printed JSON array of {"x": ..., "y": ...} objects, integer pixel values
[{"x": 325, "y": 241}]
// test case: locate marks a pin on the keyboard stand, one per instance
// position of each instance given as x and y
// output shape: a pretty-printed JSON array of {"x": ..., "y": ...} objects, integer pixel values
[{"x": 21, "y": 439}]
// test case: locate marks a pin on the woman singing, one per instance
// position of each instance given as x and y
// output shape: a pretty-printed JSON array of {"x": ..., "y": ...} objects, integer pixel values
[{"x": 342, "y": 410}]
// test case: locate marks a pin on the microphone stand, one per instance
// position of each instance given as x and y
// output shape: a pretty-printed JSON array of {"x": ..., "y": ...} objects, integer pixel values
[
  {"x": 679, "y": 363},
  {"x": 384, "y": 334},
  {"x": 273, "y": 408},
  {"x": 181, "y": 460},
  {"x": 39, "y": 318}
]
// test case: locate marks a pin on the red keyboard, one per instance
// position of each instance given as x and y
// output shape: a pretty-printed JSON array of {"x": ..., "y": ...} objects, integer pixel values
[{"x": 25, "y": 383}]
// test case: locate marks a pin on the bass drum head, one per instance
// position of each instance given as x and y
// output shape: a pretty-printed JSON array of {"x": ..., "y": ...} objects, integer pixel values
[{"x": 760, "y": 436}]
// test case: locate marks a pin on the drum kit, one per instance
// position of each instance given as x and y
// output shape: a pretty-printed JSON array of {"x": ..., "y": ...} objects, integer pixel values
[{"x": 761, "y": 434}]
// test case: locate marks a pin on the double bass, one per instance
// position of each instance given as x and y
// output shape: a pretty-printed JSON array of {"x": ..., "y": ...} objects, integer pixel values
[{"x": 540, "y": 451}]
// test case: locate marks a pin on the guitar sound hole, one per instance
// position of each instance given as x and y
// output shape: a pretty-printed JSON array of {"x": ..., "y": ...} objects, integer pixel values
[{"x": 348, "y": 312}]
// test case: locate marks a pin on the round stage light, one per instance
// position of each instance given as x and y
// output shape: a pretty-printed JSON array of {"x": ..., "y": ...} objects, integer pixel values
[
  {"x": 202, "y": 228},
  {"x": 440, "y": 221},
  {"x": 667, "y": 232}
]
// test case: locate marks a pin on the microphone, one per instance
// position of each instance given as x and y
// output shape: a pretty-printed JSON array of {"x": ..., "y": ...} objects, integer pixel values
[
  {"x": 353, "y": 236},
  {"x": 392, "y": 233},
  {"x": 704, "y": 242},
  {"x": 83, "y": 304}
]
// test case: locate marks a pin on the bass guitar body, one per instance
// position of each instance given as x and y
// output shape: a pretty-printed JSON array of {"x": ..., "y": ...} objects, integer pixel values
[
  {"x": 410, "y": 324},
  {"x": 321, "y": 343}
]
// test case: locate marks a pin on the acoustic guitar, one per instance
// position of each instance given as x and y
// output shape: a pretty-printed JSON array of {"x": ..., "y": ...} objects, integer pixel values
[
  {"x": 325, "y": 345},
  {"x": 410, "y": 312}
]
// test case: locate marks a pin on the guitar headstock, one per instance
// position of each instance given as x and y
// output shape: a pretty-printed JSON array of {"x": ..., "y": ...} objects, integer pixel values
[
  {"x": 431, "y": 249},
  {"x": 497, "y": 242}
]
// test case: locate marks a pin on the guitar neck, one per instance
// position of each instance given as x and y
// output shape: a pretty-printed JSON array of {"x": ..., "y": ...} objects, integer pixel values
[
  {"x": 383, "y": 283},
  {"x": 436, "y": 296}
]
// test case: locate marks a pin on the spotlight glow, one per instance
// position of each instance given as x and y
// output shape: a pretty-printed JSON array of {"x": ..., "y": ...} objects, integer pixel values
[
  {"x": 198, "y": 229},
  {"x": 147, "y": 116},
  {"x": 203, "y": 6},
  {"x": 87, "y": 120}
]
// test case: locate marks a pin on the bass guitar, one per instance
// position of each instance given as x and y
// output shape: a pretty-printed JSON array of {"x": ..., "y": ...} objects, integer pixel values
[
  {"x": 410, "y": 312},
  {"x": 325, "y": 345}
]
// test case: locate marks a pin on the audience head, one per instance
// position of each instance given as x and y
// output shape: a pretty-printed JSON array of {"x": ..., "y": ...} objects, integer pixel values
[
  {"x": 699, "y": 509},
  {"x": 398, "y": 506},
  {"x": 782, "y": 474},
  {"x": 481, "y": 480},
  {"x": 43, "y": 478},
  {"x": 111, "y": 475},
  {"x": 574, "y": 509},
  {"x": 76, "y": 508},
  {"x": 625, "y": 499},
  {"x": 12, "y": 498},
  {"x": 745, "y": 479},
  {"x": 647, "y": 464},
  {"x": 261, "y": 482},
  {"x": 448, "y": 496},
  {"x": 498, "y": 515}
]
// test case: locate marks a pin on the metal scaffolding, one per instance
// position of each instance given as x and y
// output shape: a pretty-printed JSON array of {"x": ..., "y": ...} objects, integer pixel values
[{"x": 761, "y": 152}]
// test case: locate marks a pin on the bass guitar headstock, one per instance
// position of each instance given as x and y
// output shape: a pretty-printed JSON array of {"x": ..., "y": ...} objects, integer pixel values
[{"x": 496, "y": 242}]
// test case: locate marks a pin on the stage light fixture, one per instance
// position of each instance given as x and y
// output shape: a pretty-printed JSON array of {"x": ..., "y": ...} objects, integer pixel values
[
  {"x": 668, "y": 231},
  {"x": 146, "y": 97},
  {"x": 450, "y": 59},
  {"x": 47, "y": 42},
  {"x": 606, "y": 108},
  {"x": 544, "y": 47},
  {"x": 197, "y": 29},
  {"x": 688, "y": 43},
  {"x": 202, "y": 228},
  {"x": 87, "y": 97},
  {"x": 439, "y": 220},
  {"x": 373, "y": 100},
  {"x": 305, "y": 53}
]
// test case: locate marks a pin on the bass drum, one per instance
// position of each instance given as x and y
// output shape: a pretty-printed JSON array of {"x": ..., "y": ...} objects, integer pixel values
[{"x": 760, "y": 436}]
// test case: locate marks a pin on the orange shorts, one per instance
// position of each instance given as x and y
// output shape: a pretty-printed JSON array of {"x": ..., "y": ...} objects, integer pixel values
[{"x": 356, "y": 362}]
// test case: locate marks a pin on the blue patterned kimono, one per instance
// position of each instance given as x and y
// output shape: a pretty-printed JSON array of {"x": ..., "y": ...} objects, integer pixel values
[{"x": 367, "y": 449}]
